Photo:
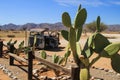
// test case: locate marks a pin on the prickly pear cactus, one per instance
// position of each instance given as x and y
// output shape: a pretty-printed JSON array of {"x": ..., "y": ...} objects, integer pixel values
[
  {"x": 75, "y": 31},
  {"x": 96, "y": 43}
]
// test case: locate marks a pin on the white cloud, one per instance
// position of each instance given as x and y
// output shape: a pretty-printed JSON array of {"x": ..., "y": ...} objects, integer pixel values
[
  {"x": 115, "y": 2},
  {"x": 83, "y": 2},
  {"x": 93, "y": 3}
]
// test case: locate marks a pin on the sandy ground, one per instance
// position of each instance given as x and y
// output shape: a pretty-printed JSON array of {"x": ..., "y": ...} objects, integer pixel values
[
  {"x": 103, "y": 62},
  {"x": 3, "y": 76}
]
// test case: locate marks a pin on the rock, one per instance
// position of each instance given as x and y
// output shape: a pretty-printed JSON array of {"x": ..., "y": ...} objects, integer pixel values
[
  {"x": 64, "y": 78},
  {"x": 110, "y": 71},
  {"x": 54, "y": 78},
  {"x": 43, "y": 69},
  {"x": 101, "y": 68},
  {"x": 106, "y": 70},
  {"x": 10, "y": 74},
  {"x": 39, "y": 63},
  {"x": 118, "y": 74},
  {"x": 15, "y": 78},
  {"x": 60, "y": 77},
  {"x": 35, "y": 71},
  {"x": 6, "y": 71},
  {"x": 1, "y": 67},
  {"x": 68, "y": 77},
  {"x": 43, "y": 77},
  {"x": 36, "y": 74},
  {"x": 93, "y": 67},
  {"x": 92, "y": 78}
]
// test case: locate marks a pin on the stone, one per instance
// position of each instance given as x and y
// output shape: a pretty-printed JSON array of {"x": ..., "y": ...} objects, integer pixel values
[
  {"x": 106, "y": 70},
  {"x": 68, "y": 77},
  {"x": 64, "y": 78},
  {"x": 101, "y": 68},
  {"x": 1, "y": 67},
  {"x": 39, "y": 63},
  {"x": 43, "y": 77},
  {"x": 54, "y": 78},
  {"x": 6, "y": 71},
  {"x": 10, "y": 74},
  {"x": 93, "y": 67},
  {"x": 36, "y": 74},
  {"x": 110, "y": 71},
  {"x": 118, "y": 74},
  {"x": 60, "y": 77},
  {"x": 15, "y": 78},
  {"x": 35, "y": 71}
]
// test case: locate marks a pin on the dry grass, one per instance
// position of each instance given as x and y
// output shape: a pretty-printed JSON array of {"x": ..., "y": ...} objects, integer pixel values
[{"x": 17, "y": 34}]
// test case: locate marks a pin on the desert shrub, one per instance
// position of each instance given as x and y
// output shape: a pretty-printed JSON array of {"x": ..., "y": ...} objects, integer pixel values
[
  {"x": 11, "y": 36},
  {"x": 92, "y": 26}
]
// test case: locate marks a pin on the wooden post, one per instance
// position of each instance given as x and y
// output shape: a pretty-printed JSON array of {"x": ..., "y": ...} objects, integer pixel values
[
  {"x": 11, "y": 61},
  {"x": 30, "y": 64},
  {"x": 75, "y": 73},
  {"x": 1, "y": 48}
]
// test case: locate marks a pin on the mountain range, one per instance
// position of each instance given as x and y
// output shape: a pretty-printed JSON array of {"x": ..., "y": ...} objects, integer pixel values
[{"x": 55, "y": 26}]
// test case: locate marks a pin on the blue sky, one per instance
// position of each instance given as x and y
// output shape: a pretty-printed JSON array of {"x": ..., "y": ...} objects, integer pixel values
[{"x": 50, "y": 11}]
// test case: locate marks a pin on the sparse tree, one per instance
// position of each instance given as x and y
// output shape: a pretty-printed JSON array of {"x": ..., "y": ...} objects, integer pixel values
[{"x": 92, "y": 26}]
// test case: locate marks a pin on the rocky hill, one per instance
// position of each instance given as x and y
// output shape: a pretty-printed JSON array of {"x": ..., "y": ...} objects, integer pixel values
[
  {"x": 114, "y": 27},
  {"x": 55, "y": 26},
  {"x": 28, "y": 26}
]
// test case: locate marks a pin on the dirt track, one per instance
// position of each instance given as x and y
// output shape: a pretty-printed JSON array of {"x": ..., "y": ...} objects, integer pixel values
[{"x": 102, "y": 63}]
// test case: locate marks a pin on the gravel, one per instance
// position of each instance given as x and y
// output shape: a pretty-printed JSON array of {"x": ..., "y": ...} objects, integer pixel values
[{"x": 19, "y": 72}]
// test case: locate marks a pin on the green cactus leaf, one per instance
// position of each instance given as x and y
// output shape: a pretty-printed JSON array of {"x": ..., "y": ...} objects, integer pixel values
[
  {"x": 68, "y": 47},
  {"x": 21, "y": 44},
  {"x": 15, "y": 42},
  {"x": 110, "y": 50},
  {"x": 64, "y": 34},
  {"x": 78, "y": 48},
  {"x": 79, "y": 7},
  {"x": 80, "y": 18},
  {"x": 84, "y": 74},
  {"x": 9, "y": 42},
  {"x": 115, "y": 62},
  {"x": 61, "y": 61},
  {"x": 43, "y": 54},
  {"x": 67, "y": 54},
  {"x": 66, "y": 20},
  {"x": 98, "y": 24},
  {"x": 79, "y": 32},
  {"x": 87, "y": 50},
  {"x": 72, "y": 39},
  {"x": 90, "y": 41},
  {"x": 99, "y": 42},
  {"x": 55, "y": 58}
]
